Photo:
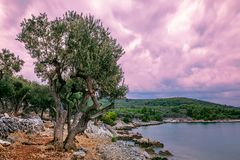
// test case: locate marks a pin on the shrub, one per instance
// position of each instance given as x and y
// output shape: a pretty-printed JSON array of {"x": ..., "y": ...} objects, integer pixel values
[
  {"x": 114, "y": 139},
  {"x": 127, "y": 119},
  {"x": 109, "y": 118}
]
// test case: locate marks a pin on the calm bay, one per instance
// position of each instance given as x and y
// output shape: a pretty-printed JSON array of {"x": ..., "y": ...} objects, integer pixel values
[{"x": 197, "y": 141}]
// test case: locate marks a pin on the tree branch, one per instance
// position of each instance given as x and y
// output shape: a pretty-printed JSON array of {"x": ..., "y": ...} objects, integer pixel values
[
  {"x": 92, "y": 92},
  {"x": 102, "y": 111}
]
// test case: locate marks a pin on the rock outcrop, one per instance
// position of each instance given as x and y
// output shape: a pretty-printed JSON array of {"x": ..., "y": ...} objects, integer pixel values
[
  {"x": 122, "y": 151},
  {"x": 146, "y": 142},
  {"x": 120, "y": 125},
  {"x": 14, "y": 124},
  {"x": 165, "y": 153},
  {"x": 99, "y": 130},
  {"x": 4, "y": 143},
  {"x": 128, "y": 135},
  {"x": 80, "y": 154}
]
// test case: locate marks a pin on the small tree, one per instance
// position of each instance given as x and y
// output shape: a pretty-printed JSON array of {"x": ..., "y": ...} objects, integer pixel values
[
  {"x": 40, "y": 99},
  {"x": 6, "y": 91},
  {"x": 9, "y": 63},
  {"x": 76, "y": 49}
]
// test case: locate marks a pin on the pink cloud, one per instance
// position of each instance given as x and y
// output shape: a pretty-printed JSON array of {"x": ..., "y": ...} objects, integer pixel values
[{"x": 170, "y": 45}]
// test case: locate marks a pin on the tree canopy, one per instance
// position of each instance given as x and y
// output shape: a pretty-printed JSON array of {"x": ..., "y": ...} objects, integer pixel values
[
  {"x": 76, "y": 55},
  {"x": 9, "y": 63}
]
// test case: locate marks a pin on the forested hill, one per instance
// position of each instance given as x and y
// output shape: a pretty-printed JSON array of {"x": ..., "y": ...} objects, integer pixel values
[
  {"x": 157, "y": 109},
  {"x": 176, "y": 101}
]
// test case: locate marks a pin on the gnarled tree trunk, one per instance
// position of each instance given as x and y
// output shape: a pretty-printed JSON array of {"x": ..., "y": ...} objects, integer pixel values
[
  {"x": 61, "y": 115},
  {"x": 76, "y": 129}
]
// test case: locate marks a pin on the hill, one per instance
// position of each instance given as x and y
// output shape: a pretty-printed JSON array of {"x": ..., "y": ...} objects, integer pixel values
[
  {"x": 176, "y": 101},
  {"x": 180, "y": 107}
]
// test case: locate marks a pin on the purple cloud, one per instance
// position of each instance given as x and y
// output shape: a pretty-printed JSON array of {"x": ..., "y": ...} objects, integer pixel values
[{"x": 173, "y": 48}]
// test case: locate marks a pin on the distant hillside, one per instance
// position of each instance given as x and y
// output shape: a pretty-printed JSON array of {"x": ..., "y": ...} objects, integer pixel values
[
  {"x": 157, "y": 109},
  {"x": 166, "y": 102}
]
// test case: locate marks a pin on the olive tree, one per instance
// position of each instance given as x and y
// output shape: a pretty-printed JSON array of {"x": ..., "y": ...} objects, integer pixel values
[
  {"x": 9, "y": 63},
  {"x": 39, "y": 99},
  {"x": 14, "y": 93},
  {"x": 6, "y": 91},
  {"x": 78, "y": 49}
]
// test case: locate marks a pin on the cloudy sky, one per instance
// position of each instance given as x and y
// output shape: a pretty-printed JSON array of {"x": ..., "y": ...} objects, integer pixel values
[{"x": 186, "y": 48}]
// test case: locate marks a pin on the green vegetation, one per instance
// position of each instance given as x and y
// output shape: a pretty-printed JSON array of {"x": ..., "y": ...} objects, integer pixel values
[
  {"x": 143, "y": 113},
  {"x": 18, "y": 95},
  {"x": 78, "y": 59},
  {"x": 109, "y": 118},
  {"x": 157, "y": 109},
  {"x": 114, "y": 139}
]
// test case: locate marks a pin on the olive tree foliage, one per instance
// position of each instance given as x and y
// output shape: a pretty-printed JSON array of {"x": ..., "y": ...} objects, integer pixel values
[
  {"x": 9, "y": 97},
  {"x": 46, "y": 42},
  {"x": 14, "y": 92},
  {"x": 18, "y": 95},
  {"x": 6, "y": 91},
  {"x": 9, "y": 63},
  {"x": 40, "y": 99},
  {"x": 78, "y": 58}
]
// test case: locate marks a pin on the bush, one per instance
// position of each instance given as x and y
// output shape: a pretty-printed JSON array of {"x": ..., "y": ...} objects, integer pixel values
[
  {"x": 114, "y": 139},
  {"x": 109, "y": 118},
  {"x": 145, "y": 118},
  {"x": 127, "y": 119}
]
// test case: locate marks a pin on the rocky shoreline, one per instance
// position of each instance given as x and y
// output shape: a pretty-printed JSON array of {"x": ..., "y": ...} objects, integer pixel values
[
  {"x": 124, "y": 133},
  {"x": 99, "y": 142},
  {"x": 33, "y": 134},
  {"x": 120, "y": 125}
]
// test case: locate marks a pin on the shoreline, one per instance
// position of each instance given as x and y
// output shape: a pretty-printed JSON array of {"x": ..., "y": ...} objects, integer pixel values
[
  {"x": 163, "y": 153},
  {"x": 136, "y": 124},
  {"x": 186, "y": 120}
]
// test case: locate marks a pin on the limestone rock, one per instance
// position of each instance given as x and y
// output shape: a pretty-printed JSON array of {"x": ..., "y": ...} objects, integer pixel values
[
  {"x": 79, "y": 154},
  {"x": 6, "y": 115},
  {"x": 121, "y": 151},
  {"x": 146, "y": 155},
  {"x": 14, "y": 124},
  {"x": 126, "y": 135},
  {"x": 120, "y": 125},
  {"x": 99, "y": 130},
  {"x": 165, "y": 153},
  {"x": 146, "y": 142},
  {"x": 4, "y": 143}
]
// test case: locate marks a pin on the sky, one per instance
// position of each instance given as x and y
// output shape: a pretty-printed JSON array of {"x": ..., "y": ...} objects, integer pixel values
[{"x": 174, "y": 48}]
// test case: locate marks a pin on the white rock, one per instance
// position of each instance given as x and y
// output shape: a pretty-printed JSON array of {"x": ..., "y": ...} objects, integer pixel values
[
  {"x": 4, "y": 143},
  {"x": 146, "y": 155},
  {"x": 99, "y": 130},
  {"x": 6, "y": 115},
  {"x": 79, "y": 154}
]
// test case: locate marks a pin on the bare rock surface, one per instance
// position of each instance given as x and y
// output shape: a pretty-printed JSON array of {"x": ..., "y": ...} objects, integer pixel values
[
  {"x": 80, "y": 154},
  {"x": 4, "y": 143},
  {"x": 120, "y": 125},
  {"x": 14, "y": 124},
  {"x": 122, "y": 151},
  {"x": 148, "y": 142},
  {"x": 99, "y": 130}
]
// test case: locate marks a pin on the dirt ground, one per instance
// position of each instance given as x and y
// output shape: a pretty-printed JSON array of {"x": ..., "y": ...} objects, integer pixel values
[{"x": 36, "y": 147}]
